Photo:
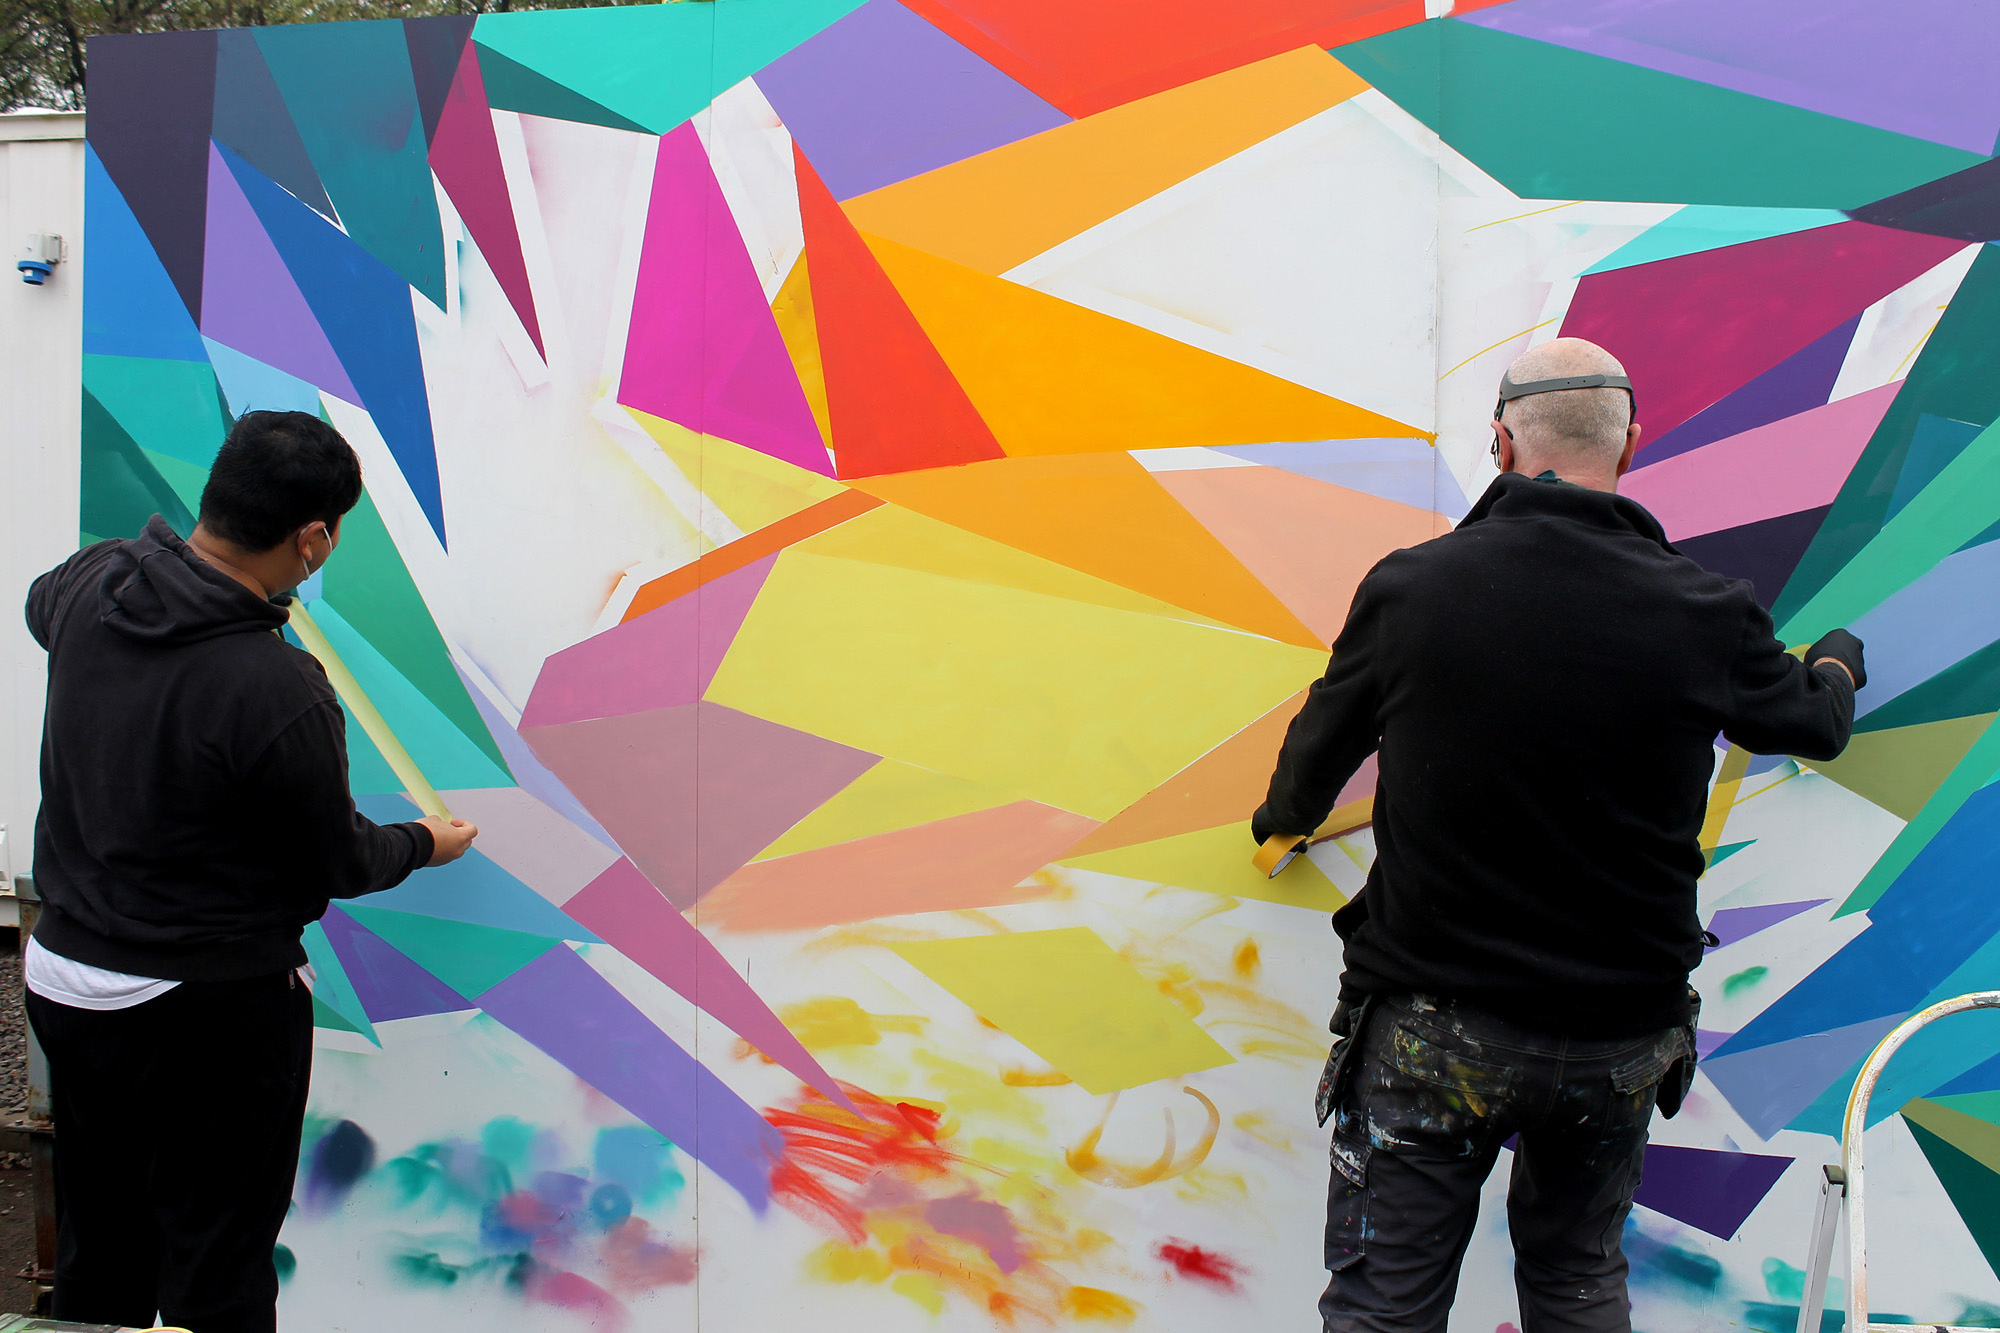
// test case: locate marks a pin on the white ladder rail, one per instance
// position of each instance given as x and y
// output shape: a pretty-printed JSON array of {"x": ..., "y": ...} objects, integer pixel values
[{"x": 1843, "y": 1188}]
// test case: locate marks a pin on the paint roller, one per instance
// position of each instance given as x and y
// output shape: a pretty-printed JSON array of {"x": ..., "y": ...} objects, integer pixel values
[{"x": 350, "y": 692}]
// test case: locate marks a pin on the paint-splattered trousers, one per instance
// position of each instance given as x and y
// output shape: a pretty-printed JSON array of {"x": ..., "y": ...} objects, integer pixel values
[
  {"x": 1430, "y": 1094},
  {"x": 177, "y": 1138}
]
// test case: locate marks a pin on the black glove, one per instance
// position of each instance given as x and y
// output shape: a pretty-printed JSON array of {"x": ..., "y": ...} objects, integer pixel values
[
  {"x": 1843, "y": 648},
  {"x": 1260, "y": 825}
]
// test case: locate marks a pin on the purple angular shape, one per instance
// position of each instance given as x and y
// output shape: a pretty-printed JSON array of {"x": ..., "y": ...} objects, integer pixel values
[
  {"x": 1917, "y": 67},
  {"x": 882, "y": 96},
  {"x": 559, "y": 1004},
  {"x": 1769, "y": 1085},
  {"x": 386, "y": 982},
  {"x": 1706, "y": 1040},
  {"x": 1734, "y": 923},
  {"x": 1706, "y": 1188},
  {"x": 1797, "y": 384}
]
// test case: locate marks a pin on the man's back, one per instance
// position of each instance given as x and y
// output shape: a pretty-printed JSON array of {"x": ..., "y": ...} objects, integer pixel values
[
  {"x": 1547, "y": 682},
  {"x": 194, "y": 812}
]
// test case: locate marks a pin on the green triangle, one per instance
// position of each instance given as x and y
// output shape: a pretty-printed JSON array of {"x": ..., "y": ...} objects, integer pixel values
[
  {"x": 1957, "y": 377},
  {"x": 655, "y": 65},
  {"x": 324, "y": 1016},
  {"x": 1902, "y": 768},
  {"x": 511, "y": 86},
  {"x": 370, "y": 586},
  {"x": 169, "y": 407},
  {"x": 121, "y": 488},
  {"x": 1973, "y": 1188},
  {"x": 1493, "y": 96},
  {"x": 1725, "y": 851},
  {"x": 333, "y": 991},
  {"x": 470, "y": 959},
  {"x": 1976, "y": 1138},
  {"x": 1970, "y": 685},
  {"x": 1957, "y": 504},
  {"x": 1978, "y": 1105}
]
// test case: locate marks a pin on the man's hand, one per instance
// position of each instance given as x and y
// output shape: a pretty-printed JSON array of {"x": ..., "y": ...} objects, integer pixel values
[
  {"x": 452, "y": 838},
  {"x": 1844, "y": 651}
]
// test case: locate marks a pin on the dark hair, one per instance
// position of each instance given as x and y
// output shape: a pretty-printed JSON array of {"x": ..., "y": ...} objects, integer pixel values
[{"x": 275, "y": 473}]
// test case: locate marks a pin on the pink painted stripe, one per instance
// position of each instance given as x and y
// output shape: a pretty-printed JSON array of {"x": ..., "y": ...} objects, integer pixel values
[{"x": 1798, "y": 463}]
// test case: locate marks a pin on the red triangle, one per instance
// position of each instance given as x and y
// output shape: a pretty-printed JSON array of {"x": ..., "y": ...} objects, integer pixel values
[
  {"x": 892, "y": 402},
  {"x": 466, "y": 157}
]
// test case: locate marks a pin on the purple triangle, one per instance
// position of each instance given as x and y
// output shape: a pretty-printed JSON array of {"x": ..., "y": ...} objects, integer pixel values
[
  {"x": 386, "y": 982},
  {"x": 1769, "y": 1085},
  {"x": 1800, "y": 382},
  {"x": 1705, "y": 1188},
  {"x": 1734, "y": 923}
]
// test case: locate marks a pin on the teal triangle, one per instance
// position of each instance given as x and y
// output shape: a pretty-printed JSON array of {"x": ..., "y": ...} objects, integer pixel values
[{"x": 470, "y": 959}]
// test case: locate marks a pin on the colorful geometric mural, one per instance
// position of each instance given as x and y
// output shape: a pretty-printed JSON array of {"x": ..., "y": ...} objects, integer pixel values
[{"x": 856, "y": 491}]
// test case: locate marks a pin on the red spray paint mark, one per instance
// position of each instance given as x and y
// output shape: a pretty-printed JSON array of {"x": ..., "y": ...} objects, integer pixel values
[
  {"x": 572, "y": 1291},
  {"x": 1210, "y": 1266},
  {"x": 827, "y": 1148}
]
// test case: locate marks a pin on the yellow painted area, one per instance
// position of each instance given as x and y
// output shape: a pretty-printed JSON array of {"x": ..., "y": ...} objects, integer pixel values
[
  {"x": 1105, "y": 515},
  {"x": 797, "y": 325},
  {"x": 900, "y": 536},
  {"x": 889, "y": 796},
  {"x": 1049, "y": 377},
  {"x": 1098, "y": 1305},
  {"x": 1901, "y": 767},
  {"x": 1080, "y": 707},
  {"x": 1004, "y": 206},
  {"x": 1720, "y": 801},
  {"x": 922, "y": 1288},
  {"x": 753, "y": 489},
  {"x": 1976, "y": 1138},
  {"x": 1217, "y": 860},
  {"x": 836, "y": 1262},
  {"x": 1068, "y": 998},
  {"x": 836, "y": 1020}
]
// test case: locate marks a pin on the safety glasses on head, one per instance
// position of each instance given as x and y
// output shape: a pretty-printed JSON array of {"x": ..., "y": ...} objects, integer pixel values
[{"x": 1509, "y": 390}]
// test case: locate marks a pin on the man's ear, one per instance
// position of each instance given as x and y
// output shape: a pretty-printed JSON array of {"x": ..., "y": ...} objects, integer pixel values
[{"x": 1631, "y": 447}]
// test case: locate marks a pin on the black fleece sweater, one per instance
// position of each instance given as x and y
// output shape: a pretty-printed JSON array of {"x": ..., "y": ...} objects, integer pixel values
[
  {"x": 195, "y": 809},
  {"x": 1545, "y": 684}
]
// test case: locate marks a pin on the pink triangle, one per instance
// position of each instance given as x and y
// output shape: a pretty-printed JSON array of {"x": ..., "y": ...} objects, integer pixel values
[
  {"x": 1693, "y": 328},
  {"x": 633, "y": 917},
  {"x": 662, "y": 659},
  {"x": 703, "y": 350},
  {"x": 1795, "y": 463},
  {"x": 466, "y": 157},
  {"x": 248, "y": 299}
]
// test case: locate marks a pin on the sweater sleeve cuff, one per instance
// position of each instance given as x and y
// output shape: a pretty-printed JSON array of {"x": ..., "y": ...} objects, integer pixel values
[{"x": 426, "y": 844}]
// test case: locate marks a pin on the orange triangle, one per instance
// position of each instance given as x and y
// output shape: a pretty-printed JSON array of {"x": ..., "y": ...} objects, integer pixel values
[
  {"x": 1224, "y": 786},
  {"x": 891, "y": 400},
  {"x": 1105, "y": 515},
  {"x": 1309, "y": 542},
  {"x": 793, "y": 311},
  {"x": 1053, "y": 378}
]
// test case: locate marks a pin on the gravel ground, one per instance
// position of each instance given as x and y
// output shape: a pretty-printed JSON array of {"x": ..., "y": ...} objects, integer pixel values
[
  {"x": 17, "y": 1198},
  {"x": 13, "y": 1037}
]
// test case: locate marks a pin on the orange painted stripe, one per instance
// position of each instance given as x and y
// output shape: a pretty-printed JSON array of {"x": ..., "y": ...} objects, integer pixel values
[{"x": 748, "y": 549}]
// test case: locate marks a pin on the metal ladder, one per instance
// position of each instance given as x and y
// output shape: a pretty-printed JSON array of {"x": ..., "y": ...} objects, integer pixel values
[{"x": 1840, "y": 1194}]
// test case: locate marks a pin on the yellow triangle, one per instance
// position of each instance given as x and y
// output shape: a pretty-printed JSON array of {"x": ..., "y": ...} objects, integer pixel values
[
  {"x": 1054, "y": 378},
  {"x": 890, "y": 796},
  {"x": 1900, "y": 768},
  {"x": 752, "y": 489},
  {"x": 799, "y": 327},
  {"x": 893, "y": 535},
  {"x": 1217, "y": 860},
  {"x": 1976, "y": 1138}
]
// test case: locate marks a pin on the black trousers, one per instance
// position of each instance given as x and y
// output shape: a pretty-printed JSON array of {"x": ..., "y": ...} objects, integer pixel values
[
  {"x": 1430, "y": 1095},
  {"x": 177, "y": 1138}
]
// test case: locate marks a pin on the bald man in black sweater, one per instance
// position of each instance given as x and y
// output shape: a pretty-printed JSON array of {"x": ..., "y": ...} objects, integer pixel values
[{"x": 1544, "y": 685}]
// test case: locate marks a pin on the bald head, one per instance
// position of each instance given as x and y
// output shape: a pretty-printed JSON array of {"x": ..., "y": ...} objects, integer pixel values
[{"x": 1583, "y": 426}]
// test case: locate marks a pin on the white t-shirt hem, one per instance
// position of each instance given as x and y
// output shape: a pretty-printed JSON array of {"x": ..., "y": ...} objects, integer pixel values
[{"x": 65, "y": 981}]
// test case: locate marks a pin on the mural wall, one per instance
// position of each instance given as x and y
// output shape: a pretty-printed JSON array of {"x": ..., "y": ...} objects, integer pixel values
[{"x": 855, "y": 493}]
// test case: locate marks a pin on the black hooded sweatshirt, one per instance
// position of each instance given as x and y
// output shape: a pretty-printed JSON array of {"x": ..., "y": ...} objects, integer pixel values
[
  {"x": 195, "y": 810},
  {"x": 1545, "y": 684}
]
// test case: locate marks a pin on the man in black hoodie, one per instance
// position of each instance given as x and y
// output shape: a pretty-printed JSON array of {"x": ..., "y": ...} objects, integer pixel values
[
  {"x": 1544, "y": 685},
  {"x": 195, "y": 819}
]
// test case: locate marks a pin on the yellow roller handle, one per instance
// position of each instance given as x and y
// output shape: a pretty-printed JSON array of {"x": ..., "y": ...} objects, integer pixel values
[{"x": 350, "y": 692}]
